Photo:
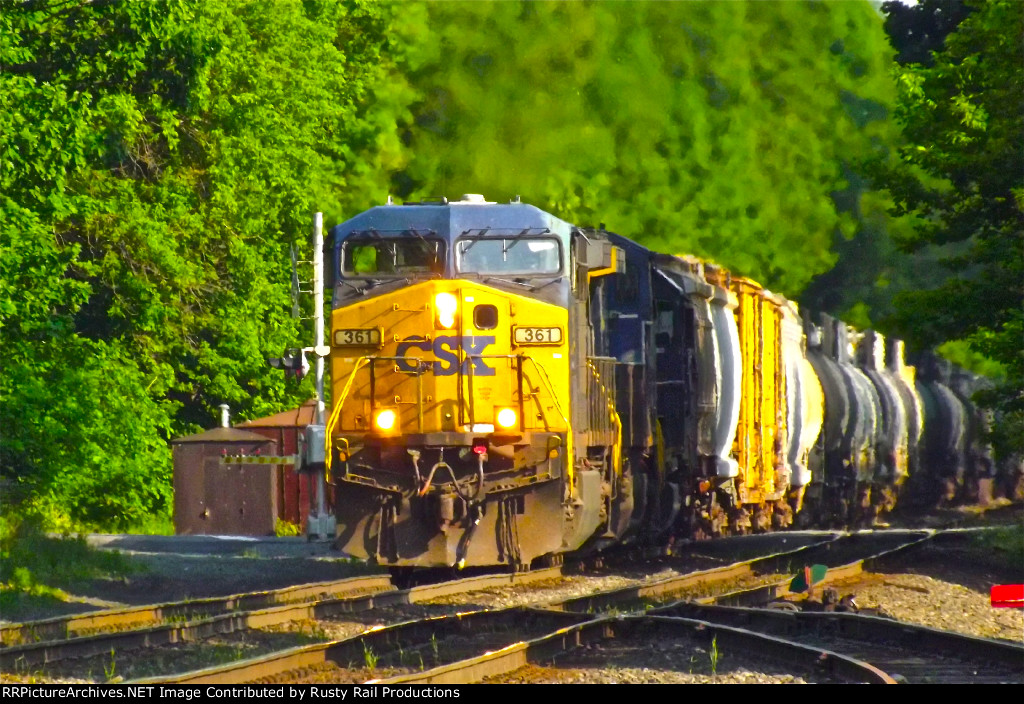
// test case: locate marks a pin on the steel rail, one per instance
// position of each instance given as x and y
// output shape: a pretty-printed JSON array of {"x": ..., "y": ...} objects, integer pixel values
[
  {"x": 1003, "y": 660},
  {"x": 35, "y": 654},
  {"x": 41, "y": 653},
  {"x": 676, "y": 584},
  {"x": 568, "y": 634},
  {"x": 378, "y": 640},
  {"x": 161, "y": 624},
  {"x": 769, "y": 592},
  {"x": 78, "y": 625},
  {"x": 549, "y": 647}
]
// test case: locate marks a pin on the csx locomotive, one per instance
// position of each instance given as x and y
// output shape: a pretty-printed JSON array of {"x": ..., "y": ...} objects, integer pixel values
[{"x": 508, "y": 388}]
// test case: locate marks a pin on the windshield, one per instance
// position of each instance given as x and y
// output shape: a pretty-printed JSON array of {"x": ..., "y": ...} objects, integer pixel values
[
  {"x": 508, "y": 255},
  {"x": 374, "y": 256}
]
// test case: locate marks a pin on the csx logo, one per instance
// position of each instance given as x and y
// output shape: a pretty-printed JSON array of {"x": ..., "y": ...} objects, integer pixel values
[{"x": 445, "y": 348}]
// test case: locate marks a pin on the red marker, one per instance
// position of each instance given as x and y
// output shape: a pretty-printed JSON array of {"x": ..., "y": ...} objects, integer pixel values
[{"x": 1008, "y": 596}]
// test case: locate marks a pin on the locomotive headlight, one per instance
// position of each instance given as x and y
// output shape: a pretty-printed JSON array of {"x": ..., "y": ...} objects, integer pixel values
[
  {"x": 506, "y": 418},
  {"x": 386, "y": 420},
  {"x": 446, "y": 305}
]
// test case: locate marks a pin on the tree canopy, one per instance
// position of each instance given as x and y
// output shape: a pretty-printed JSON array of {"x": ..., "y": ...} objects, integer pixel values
[
  {"x": 960, "y": 177},
  {"x": 158, "y": 159},
  {"x": 719, "y": 129}
]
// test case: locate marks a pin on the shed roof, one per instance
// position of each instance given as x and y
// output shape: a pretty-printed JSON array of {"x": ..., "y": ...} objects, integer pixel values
[
  {"x": 293, "y": 418},
  {"x": 222, "y": 435}
]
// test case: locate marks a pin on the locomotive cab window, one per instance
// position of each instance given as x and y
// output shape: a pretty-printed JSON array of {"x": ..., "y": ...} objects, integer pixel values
[
  {"x": 376, "y": 256},
  {"x": 509, "y": 255}
]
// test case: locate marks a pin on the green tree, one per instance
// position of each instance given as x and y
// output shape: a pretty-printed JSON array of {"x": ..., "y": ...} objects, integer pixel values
[
  {"x": 720, "y": 129},
  {"x": 919, "y": 29},
  {"x": 961, "y": 178},
  {"x": 156, "y": 161}
]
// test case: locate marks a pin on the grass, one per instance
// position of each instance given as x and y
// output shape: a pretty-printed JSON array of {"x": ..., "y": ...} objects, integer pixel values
[
  {"x": 110, "y": 670},
  {"x": 36, "y": 568},
  {"x": 1004, "y": 544},
  {"x": 370, "y": 658}
]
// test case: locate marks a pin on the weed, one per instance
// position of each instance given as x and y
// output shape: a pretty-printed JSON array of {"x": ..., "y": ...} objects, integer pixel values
[
  {"x": 422, "y": 666},
  {"x": 713, "y": 654},
  {"x": 316, "y": 631},
  {"x": 110, "y": 670},
  {"x": 433, "y": 646},
  {"x": 1004, "y": 544},
  {"x": 370, "y": 658},
  {"x": 286, "y": 529}
]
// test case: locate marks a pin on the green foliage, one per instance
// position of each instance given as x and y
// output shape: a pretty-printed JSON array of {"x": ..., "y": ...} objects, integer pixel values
[
  {"x": 37, "y": 568},
  {"x": 720, "y": 129},
  {"x": 916, "y": 30},
  {"x": 1004, "y": 544},
  {"x": 961, "y": 353},
  {"x": 960, "y": 177},
  {"x": 370, "y": 658},
  {"x": 284, "y": 529},
  {"x": 110, "y": 669},
  {"x": 156, "y": 161}
]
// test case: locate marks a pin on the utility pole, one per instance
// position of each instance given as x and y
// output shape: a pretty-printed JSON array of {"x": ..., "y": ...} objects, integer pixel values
[
  {"x": 318, "y": 312},
  {"x": 321, "y": 526}
]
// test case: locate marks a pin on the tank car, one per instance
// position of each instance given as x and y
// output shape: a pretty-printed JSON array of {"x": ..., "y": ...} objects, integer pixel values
[
  {"x": 945, "y": 436},
  {"x": 904, "y": 377},
  {"x": 892, "y": 435},
  {"x": 852, "y": 409},
  {"x": 979, "y": 467},
  {"x": 805, "y": 404}
]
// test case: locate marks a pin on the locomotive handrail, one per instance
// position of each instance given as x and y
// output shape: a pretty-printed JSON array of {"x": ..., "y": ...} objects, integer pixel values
[
  {"x": 613, "y": 414},
  {"x": 520, "y": 358},
  {"x": 336, "y": 414},
  {"x": 550, "y": 388}
]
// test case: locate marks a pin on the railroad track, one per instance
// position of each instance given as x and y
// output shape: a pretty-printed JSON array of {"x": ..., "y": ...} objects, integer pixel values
[
  {"x": 906, "y": 652},
  {"x": 391, "y": 654},
  {"x": 141, "y": 617},
  {"x": 51, "y": 642},
  {"x": 473, "y": 643}
]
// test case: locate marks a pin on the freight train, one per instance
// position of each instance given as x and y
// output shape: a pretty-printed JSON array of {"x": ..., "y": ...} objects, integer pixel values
[{"x": 508, "y": 388}]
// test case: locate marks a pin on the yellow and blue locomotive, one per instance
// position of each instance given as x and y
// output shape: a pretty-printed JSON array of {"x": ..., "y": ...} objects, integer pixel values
[{"x": 459, "y": 430}]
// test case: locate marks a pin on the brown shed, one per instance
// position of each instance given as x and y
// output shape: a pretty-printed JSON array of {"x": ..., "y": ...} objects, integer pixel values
[
  {"x": 294, "y": 493},
  {"x": 211, "y": 498}
]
